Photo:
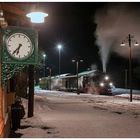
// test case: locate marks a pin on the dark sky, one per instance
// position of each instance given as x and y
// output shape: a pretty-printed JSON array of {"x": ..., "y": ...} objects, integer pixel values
[{"x": 72, "y": 25}]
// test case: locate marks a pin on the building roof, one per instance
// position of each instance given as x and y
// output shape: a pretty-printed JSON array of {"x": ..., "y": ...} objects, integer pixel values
[{"x": 91, "y": 72}]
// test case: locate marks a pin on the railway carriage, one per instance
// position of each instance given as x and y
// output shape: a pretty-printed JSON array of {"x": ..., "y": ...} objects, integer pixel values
[{"x": 93, "y": 81}]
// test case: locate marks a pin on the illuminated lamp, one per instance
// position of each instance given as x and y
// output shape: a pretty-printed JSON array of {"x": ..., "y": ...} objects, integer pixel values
[
  {"x": 37, "y": 17},
  {"x": 102, "y": 84}
]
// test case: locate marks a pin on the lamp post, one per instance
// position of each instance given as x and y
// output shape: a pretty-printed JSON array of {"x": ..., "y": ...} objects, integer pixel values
[
  {"x": 59, "y": 49},
  {"x": 129, "y": 40},
  {"x": 77, "y": 70},
  {"x": 50, "y": 73},
  {"x": 44, "y": 56},
  {"x": 37, "y": 17}
]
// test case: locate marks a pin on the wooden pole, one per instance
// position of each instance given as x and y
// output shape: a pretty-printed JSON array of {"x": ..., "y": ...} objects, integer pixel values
[
  {"x": 31, "y": 91},
  {"x": 77, "y": 69},
  {"x": 125, "y": 78},
  {"x": 130, "y": 68},
  {"x": 50, "y": 77}
]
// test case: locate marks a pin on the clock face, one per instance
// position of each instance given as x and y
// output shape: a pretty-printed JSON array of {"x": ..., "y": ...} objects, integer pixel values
[{"x": 19, "y": 46}]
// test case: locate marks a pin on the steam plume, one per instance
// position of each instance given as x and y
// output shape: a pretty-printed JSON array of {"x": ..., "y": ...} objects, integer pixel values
[
  {"x": 93, "y": 67},
  {"x": 114, "y": 22}
]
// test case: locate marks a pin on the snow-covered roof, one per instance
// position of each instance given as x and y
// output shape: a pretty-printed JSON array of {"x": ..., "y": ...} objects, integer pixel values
[
  {"x": 65, "y": 74},
  {"x": 87, "y": 72},
  {"x": 69, "y": 75},
  {"x": 84, "y": 73},
  {"x": 61, "y": 76}
]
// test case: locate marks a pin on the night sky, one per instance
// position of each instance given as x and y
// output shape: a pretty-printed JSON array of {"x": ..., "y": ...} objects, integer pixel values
[{"x": 72, "y": 25}]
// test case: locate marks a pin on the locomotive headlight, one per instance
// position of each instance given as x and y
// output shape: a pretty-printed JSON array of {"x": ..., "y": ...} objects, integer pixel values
[
  {"x": 106, "y": 77},
  {"x": 102, "y": 84},
  {"x": 111, "y": 84}
]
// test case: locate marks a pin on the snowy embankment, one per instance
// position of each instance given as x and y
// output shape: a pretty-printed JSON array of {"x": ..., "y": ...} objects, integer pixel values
[
  {"x": 50, "y": 103},
  {"x": 120, "y": 92},
  {"x": 126, "y": 93},
  {"x": 119, "y": 102}
]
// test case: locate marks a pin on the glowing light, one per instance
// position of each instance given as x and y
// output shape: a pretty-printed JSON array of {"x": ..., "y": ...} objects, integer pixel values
[
  {"x": 106, "y": 77},
  {"x": 44, "y": 55},
  {"x": 73, "y": 60},
  {"x": 122, "y": 44},
  {"x": 136, "y": 44},
  {"x": 37, "y": 17},
  {"x": 111, "y": 84},
  {"x": 59, "y": 46},
  {"x": 102, "y": 84}
]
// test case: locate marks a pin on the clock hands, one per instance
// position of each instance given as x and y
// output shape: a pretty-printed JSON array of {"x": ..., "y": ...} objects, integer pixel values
[{"x": 17, "y": 49}]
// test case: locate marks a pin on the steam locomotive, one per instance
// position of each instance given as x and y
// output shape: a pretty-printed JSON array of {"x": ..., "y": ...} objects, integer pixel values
[{"x": 93, "y": 81}]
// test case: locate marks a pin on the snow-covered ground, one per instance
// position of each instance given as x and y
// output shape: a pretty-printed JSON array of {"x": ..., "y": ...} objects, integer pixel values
[
  {"x": 125, "y": 93},
  {"x": 48, "y": 122},
  {"x": 120, "y": 92}
]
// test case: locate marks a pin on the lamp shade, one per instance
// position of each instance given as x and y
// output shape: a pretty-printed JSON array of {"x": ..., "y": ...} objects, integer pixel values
[
  {"x": 122, "y": 44},
  {"x": 37, "y": 17}
]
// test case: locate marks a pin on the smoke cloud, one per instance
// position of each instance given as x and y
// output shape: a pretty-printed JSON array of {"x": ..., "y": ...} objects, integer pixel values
[
  {"x": 114, "y": 22},
  {"x": 93, "y": 67}
]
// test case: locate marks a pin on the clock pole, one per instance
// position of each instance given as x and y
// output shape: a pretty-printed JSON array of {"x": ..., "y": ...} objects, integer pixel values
[
  {"x": 31, "y": 91},
  {"x": 23, "y": 54}
]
